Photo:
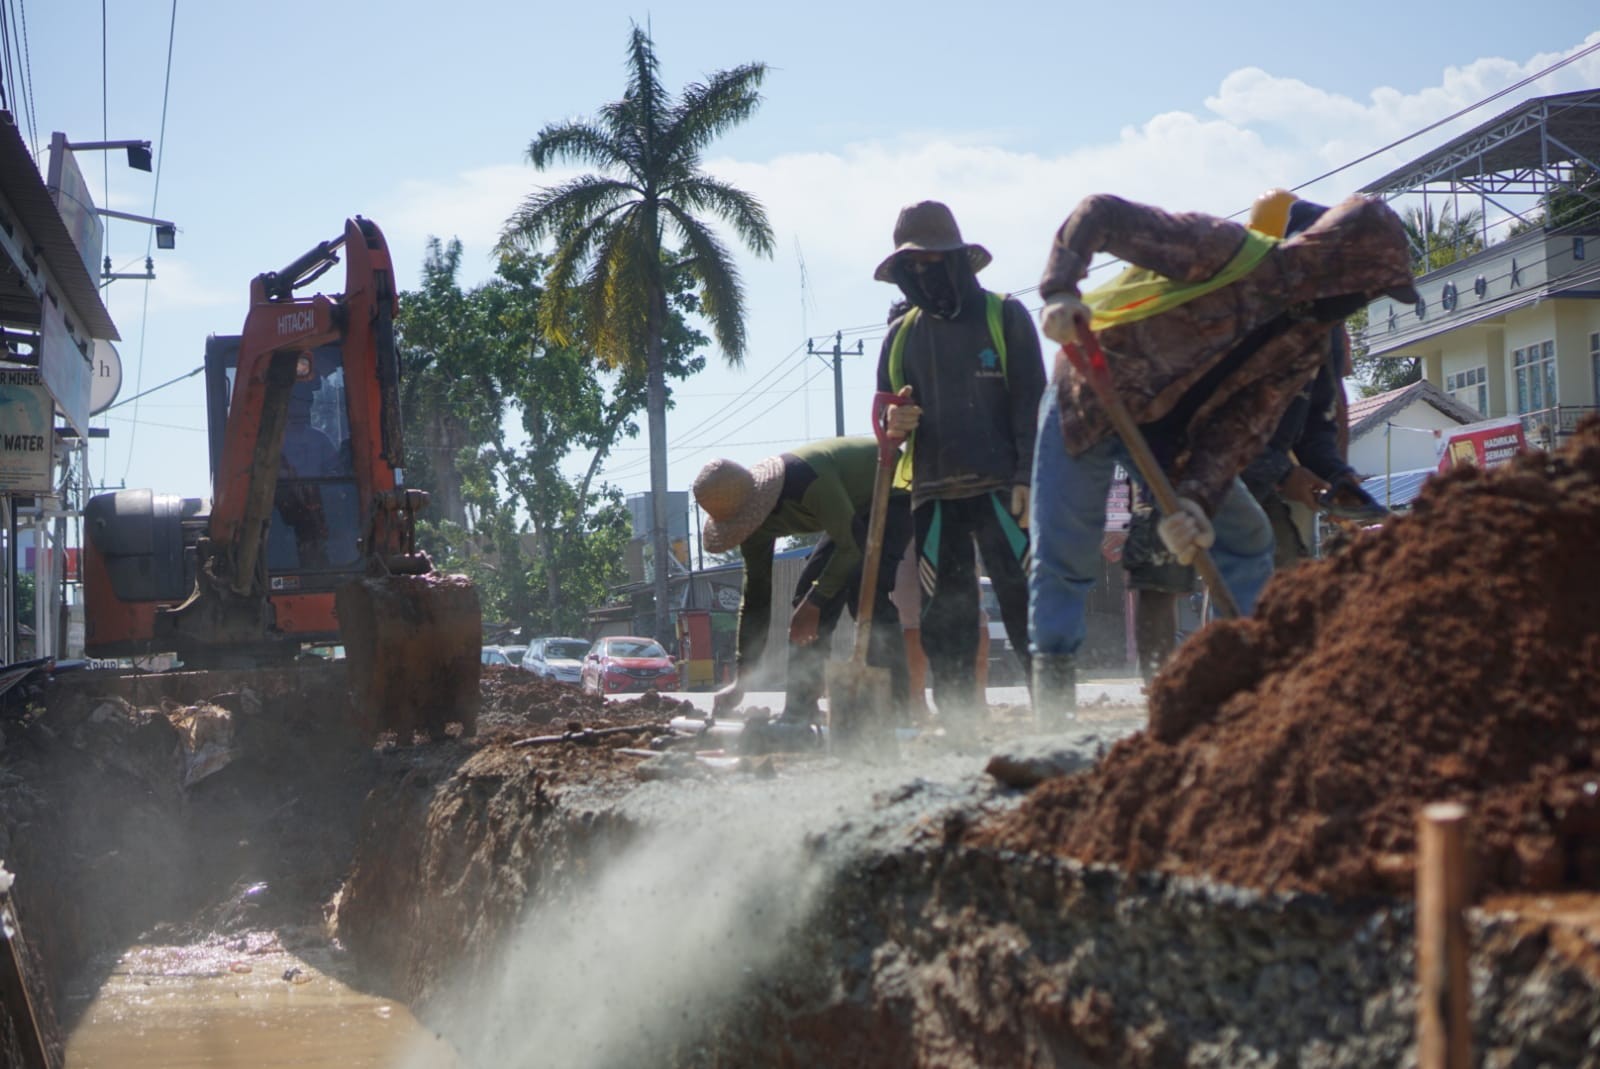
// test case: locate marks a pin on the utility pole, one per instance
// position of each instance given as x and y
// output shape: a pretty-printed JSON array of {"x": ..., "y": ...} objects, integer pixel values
[{"x": 837, "y": 353}]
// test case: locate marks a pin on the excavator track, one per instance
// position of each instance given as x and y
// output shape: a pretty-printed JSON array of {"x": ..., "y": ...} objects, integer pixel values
[{"x": 413, "y": 647}]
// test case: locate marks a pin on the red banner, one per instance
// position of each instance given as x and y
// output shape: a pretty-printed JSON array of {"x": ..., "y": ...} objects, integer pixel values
[{"x": 1485, "y": 444}]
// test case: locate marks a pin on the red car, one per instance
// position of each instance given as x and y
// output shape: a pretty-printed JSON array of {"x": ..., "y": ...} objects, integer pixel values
[{"x": 625, "y": 663}]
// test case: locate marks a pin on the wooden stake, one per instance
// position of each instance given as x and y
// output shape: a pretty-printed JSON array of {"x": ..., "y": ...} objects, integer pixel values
[
  {"x": 1444, "y": 1022},
  {"x": 15, "y": 1000}
]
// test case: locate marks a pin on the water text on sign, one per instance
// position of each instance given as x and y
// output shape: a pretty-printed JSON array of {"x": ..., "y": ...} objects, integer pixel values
[
  {"x": 296, "y": 322},
  {"x": 22, "y": 443}
]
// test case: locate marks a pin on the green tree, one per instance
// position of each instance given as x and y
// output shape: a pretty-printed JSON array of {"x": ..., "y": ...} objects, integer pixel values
[
  {"x": 542, "y": 547},
  {"x": 613, "y": 267},
  {"x": 448, "y": 415},
  {"x": 1438, "y": 241},
  {"x": 1568, "y": 203}
]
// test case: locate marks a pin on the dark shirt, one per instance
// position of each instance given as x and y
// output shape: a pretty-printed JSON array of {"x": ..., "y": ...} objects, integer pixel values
[{"x": 978, "y": 418}]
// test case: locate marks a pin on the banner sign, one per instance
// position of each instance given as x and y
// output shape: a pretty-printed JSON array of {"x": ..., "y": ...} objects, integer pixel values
[
  {"x": 1486, "y": 444},
  {"x": 75, "y": 204},
  {"x": 66, "y": 368},
  {"x": 27, "y": 430}
]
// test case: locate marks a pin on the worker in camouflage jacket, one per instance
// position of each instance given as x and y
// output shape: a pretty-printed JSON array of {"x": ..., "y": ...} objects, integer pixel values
[{"x": 1209, "y": 336}]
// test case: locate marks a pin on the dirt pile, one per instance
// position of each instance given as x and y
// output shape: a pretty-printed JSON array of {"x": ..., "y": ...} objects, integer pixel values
[
  {"x": 514, "y": 699},
  {"x": 1454, "y": 654}
]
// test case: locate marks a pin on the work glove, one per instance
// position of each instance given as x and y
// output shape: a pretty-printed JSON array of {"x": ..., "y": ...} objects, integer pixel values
[
  {"x": 1061, "y": 316},
  {"x": 1186, "y": 532},
  {"x": 903, "y": 419},
  {"x": 1302, "y": 486},
  {"x": 1019, "y": 505},
  {"x": 727, "y": 699},
  {"x": 1344, "y": 499}
]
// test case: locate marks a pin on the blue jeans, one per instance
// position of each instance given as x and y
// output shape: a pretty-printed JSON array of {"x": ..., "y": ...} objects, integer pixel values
[{"x": 1069, "y": 519}]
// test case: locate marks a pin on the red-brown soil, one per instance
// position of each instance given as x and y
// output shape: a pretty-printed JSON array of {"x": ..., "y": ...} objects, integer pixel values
[
  {"x": 1452, "y": 655},
  {"x": 513, "y": 699}
]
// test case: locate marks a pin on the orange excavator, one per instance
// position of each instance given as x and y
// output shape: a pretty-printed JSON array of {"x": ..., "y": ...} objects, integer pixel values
[{"x": 309, "y": 537}]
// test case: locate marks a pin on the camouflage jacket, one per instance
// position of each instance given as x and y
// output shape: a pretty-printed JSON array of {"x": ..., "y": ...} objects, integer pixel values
[{"x": 1210, "y": 380}]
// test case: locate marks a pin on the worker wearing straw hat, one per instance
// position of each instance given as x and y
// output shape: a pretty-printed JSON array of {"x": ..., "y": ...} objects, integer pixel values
[{"x": 825, "y": 487}]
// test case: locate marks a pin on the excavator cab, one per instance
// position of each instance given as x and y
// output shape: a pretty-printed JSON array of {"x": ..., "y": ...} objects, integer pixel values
[
  {"x": 314, "y": 534},
  {"x": 310, "y": 535}
]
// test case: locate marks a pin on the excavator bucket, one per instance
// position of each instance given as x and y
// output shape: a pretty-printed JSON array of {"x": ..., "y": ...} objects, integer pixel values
[{"x": 413, "y": 644}]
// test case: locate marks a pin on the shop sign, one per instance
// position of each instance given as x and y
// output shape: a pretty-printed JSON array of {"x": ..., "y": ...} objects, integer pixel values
[
  {"x": 27, "y": 429},
  {"x": 1485, "y": 444}
]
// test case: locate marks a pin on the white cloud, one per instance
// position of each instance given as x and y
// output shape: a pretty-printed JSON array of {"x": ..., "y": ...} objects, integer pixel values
[{"x": 1258, "y": 130}]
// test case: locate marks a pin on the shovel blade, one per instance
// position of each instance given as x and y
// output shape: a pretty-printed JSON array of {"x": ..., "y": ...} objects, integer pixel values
[{"x": 859, "y": 714}]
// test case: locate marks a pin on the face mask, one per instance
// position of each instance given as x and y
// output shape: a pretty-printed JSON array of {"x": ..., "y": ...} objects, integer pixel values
[{"x": 931, "y": 286}]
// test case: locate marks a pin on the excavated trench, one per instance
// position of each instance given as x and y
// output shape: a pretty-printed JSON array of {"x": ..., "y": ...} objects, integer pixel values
[{"x": 1229, "y": 887}]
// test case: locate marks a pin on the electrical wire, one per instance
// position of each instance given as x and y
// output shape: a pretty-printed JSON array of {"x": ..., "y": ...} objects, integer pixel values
[
  {"x": 27, "y": 61},
  {"x": 155, "y": 196}
]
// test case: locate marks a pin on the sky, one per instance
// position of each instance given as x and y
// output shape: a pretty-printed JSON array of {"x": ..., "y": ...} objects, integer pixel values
[{"x": 418, "y": 116}]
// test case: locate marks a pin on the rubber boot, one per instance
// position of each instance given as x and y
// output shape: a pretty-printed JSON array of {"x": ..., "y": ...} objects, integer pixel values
[{"x": 1055, "y": 689}]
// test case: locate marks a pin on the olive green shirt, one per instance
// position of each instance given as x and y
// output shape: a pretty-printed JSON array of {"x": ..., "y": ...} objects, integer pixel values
[{"x": 826, "y": 484}]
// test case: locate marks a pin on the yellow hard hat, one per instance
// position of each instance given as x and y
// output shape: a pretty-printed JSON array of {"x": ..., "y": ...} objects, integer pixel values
[{"x": 1270, "y": 213}]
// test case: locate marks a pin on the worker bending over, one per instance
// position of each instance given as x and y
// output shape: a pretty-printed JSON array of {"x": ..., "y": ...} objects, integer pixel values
[
  {"x": 826, "y": 487},
  {"x": 1209, "y": 336}
]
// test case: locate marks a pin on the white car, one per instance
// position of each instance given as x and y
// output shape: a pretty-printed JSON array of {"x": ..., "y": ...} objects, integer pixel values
[{"x": 560, "y": 659}]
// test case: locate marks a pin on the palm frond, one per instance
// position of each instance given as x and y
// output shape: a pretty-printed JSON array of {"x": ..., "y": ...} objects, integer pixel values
[
  {"x": 577, "y": 141},
  {"x": 647, "y": 101},
  {"x": 708, "y": 109},
  {"x": 616, "y": 293},
  {"x": 557, "y": 210},
  {"x": 721, "y": 292},
  {"x": 701, "y": 193},
  {"x": 563, "y": 307}
]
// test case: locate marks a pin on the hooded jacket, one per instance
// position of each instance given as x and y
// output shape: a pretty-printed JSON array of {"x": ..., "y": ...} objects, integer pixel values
[{"x": 1210, "y": 379}]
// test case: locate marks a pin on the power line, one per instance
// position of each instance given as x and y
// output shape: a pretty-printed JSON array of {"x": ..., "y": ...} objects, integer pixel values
[
  {"x": 27, "y": 60},
  {"x": 155, "y": 195}
]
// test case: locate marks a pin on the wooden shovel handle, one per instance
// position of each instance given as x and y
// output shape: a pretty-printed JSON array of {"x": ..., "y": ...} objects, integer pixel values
[{"x": 1090, "y": 361}]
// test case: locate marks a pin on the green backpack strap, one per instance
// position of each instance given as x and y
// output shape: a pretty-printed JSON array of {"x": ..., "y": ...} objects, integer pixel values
[{"x": 995, "y": 310}]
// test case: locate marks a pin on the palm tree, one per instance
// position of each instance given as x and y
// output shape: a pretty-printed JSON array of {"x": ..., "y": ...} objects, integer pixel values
[
  {"x": 1440, "y": 241},
  {"x": 607, "y": 286}
]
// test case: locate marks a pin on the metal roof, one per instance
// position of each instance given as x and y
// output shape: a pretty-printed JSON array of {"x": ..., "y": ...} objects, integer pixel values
[
  {"x": 1398, "y": 489},
  {"x": 23, "y": 188},
  {"x": 1531, "y": 137}
]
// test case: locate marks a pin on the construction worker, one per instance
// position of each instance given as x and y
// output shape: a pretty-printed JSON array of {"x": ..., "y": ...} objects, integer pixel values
[
  {"x": 1303, "y": 463},
  {"x": 1209, "y": 336},
  {"x": 970, "y": 362},
  {"x": 826, "y": 487}
]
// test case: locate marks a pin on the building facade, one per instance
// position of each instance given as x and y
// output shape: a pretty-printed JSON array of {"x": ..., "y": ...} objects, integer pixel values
[{"x": 1513, "y": 329}]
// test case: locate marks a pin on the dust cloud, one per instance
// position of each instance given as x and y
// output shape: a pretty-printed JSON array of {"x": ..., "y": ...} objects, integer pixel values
[{"x": 633, "y": 965}]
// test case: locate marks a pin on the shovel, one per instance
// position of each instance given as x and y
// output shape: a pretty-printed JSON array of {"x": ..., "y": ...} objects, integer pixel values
[
  {"x": 1090, "y": 361},
  {"x": 858, "y": 693}
]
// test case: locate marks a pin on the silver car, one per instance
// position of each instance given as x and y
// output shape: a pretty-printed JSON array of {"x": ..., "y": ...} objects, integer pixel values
[{"x": 560, "y": 659}]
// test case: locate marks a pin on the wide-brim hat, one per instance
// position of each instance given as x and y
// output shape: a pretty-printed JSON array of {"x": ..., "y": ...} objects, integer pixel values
[
  {"x": 736, "y": 500},
  {"x": 929, "y": 226}
]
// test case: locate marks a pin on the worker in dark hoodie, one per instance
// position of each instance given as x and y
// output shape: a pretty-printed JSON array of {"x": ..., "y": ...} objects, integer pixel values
[
  {"x": 969, "y": 361},
  {"x": 1209, "y": 336}
]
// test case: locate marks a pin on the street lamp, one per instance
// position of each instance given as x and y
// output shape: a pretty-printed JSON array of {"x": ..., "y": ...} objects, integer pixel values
[{"x": 139, "y": 157}]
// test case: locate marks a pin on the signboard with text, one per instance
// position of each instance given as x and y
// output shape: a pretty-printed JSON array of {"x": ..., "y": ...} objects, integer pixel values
[
  {"x": 1485, "y": 444},
  {"x": 27, "y": 429}
]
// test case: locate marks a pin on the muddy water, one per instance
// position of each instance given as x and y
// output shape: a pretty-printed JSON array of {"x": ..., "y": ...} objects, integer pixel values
[{"x": 239, "y": 1002}]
